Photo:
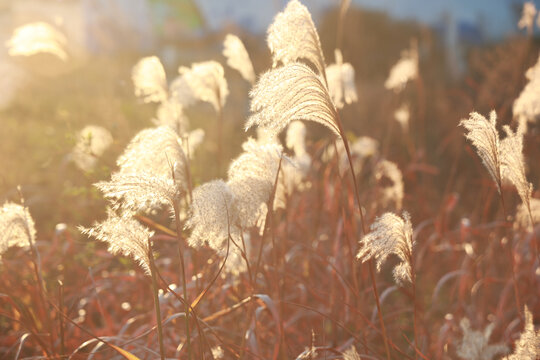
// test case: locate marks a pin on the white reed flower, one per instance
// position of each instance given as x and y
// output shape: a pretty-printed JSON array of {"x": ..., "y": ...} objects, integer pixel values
[
  {"x": 475, "y": 344},
  {"x": 293, "y": 36},
  {"x": 36, "y": 38},
  {"x": 291, "y": 92},
  {"x": 149, "y": 79},
  {"x": 402, "y": 116},
  {"x": 140, "y": 191},
  {"x": 351, "y": 354},
  {"x": 204, "y": 81},
  {"x": 124, "y": 236},
  {"x": 238, "y": 57},
  {"x": 483, "y": 134},
  {"x": 192, "y": 141},
  {"x": 295, "y": 138},
  {"x": 390, "y": 234},
  {"x": 16, "y": 227},
  {"x": 251, "y": 179},
  {"x": 526, "y": 107},
  {"x": 523, "y": 220},
  {"x": 171, "y": 113},
  {"x": 213, "y": 216},
  {"x": 405, "y": 70},
  {"x": 528, "y": 345},
  {"x": 92, "y": 142},
  {"x": 341, "y": 84},
  {"x": 153, "y": 151},
  {"x": 513, "y": 163},
  {"x": 390, "y": 194},
  {"x": 527, "y": 17}
]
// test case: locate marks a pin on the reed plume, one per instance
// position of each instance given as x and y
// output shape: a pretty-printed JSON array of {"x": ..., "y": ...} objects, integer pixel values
[
  {"x": 483, "y": 134},
  {"x": 526, "y": 107},
  {"x": 292, "y": 36},
  {"x": 392, "y": 194},
  {"x": 149, "y": 79},
  {"x": 36, "y": 38},
  {"x": 124, "y": 236},
  {"x": 402, "y": 116},
  {"x": 351, "y": 354},
  {"x": 523, "y": 217},
  {"x": 153, "y": 151},
  {"x": 292, "y": 92},
  {"x": 139, "y": 191},
  {"x": 251, "y": 178},
  {"x": 16, "y": 227},
  {"x": 238, "y": 58},
  {"x": 213, "y": 216},
  {"x": 528, "y": 345},
  {"x": 341, "y": 84},
  {"x": 527, "y": 17},
  {"x": 171, "y": 113},
  {"x": 390, "y": 234},
  {"x": 475, "y": 344},
  {"x": 513, "y": 163},
  {"x": 204, "y": 81},
  {"x": 92, "y": 142},
  {"x": 405, "y": 70}
]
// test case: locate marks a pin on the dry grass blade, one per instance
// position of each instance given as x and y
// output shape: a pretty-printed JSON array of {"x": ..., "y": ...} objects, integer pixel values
[{"x": 292, "y": 92}]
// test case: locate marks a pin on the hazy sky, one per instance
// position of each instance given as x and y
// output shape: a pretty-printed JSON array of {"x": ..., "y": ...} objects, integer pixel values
[{"x": 497, "y": 16}]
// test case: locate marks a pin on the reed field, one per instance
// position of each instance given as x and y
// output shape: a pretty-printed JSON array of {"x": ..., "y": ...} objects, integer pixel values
[{"x": 324, "y": 191}]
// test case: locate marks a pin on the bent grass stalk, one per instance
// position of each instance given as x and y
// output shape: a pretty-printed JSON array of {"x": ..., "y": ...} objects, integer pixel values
[
  {"x": 156, "y": 300},
  {"x": 370, "y": 262}
]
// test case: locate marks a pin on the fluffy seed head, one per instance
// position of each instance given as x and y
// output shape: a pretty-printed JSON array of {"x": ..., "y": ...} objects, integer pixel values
[
  {"x": 251, "y": 179},
  {"x": 341, "y": 84},
  {"x": 475, "y": 344},
  {"x": 238, "y": 57},
  {"x": 295, "y": 138},
  {"x": 153, "y": 151},
  {"x": 391, "y": 194},
  {"x": 149, "y": 79},
  {"x": 526, "y": 107},
  {"x": 528, "y": 345},
  {"x": 293, "y": 36},
  {"x": 483, "y": 134},
  {"x": 351, "y": 354},
  {"x": 204, "y": 81},
  {"x": 405, "y": 70},
  {"x": 16, "y": 227},
  {"x": 124, "y": 236},
  {"x": 92, "y": 142},
  {"x": 192, "y": 141},
  {"x": 402, "y": 116},
  {"x": 523, "y": 219},
  {"x": 36, "y": 38},
  {"x": 213, "y": 215},
  {"x": 291, "y": 92},
  {"x": 139, "y": 191},
  {"x": 513, "y": 163},
  {"x": 171, "y": 113},
  {"x": 390, "y": 234},
  {"x": 527, "y": 17}
]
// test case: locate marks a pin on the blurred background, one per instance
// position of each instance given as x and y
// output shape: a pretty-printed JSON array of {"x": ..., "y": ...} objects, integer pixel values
[{"x": 472, "y": 57}]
